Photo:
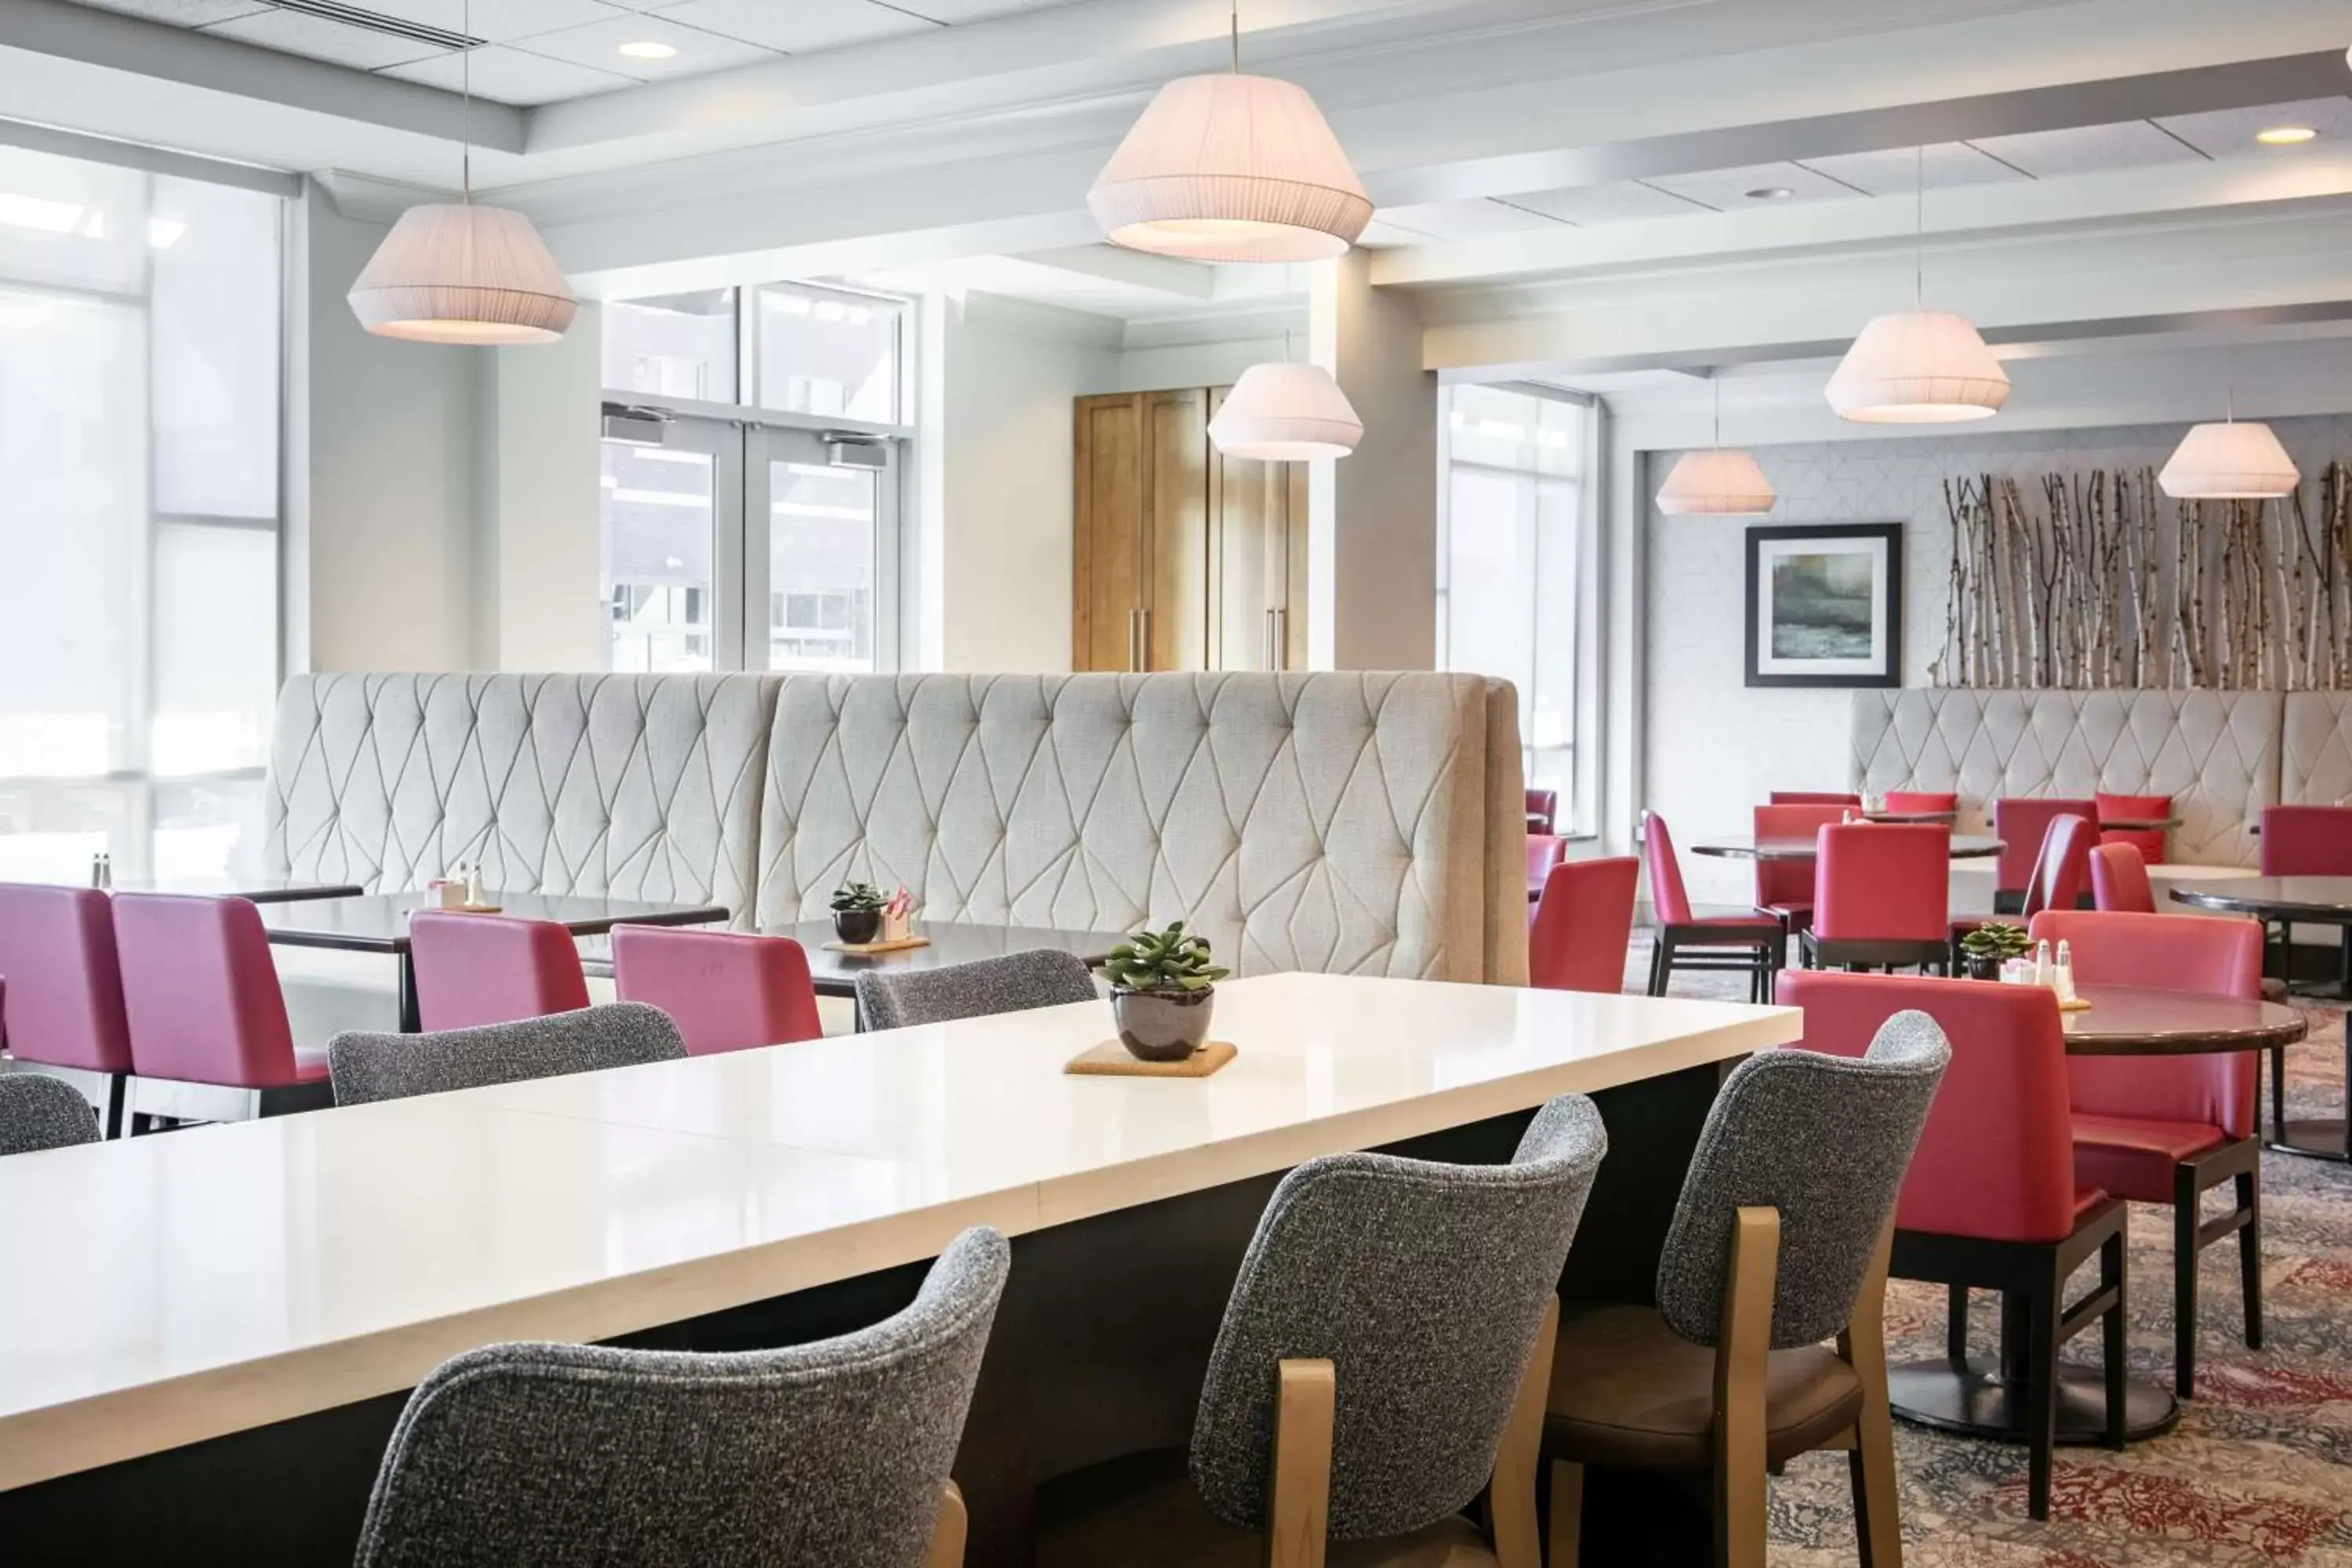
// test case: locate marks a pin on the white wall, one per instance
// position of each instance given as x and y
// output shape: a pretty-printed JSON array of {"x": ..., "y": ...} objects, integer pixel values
[
  {"x": 537, "y": 517},
  {"x": 1217, "y": 363}
]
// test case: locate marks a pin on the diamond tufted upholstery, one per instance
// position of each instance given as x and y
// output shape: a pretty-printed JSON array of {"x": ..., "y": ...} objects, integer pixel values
[
  {"x": 2216, "y": 753},
  {"x": 640, "y": 786},
  {"x": 1348, "y": 822},
  {"x": 2318, "y": 765}
]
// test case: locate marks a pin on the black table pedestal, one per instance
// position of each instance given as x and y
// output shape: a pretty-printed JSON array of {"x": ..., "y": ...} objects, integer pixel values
[{"x": 1977, "y": 1402}]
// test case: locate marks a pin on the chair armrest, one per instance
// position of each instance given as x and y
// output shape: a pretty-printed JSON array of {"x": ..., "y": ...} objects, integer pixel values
[
  {"x": 1511, "y": 1494},
  {"x": 948, "y": 1531},
  {"x": 1299, "y": 1500}
]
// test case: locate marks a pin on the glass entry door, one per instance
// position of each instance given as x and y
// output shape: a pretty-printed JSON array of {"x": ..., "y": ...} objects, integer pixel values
[
  {"x": 820, "y": 552},
  {"x": 668, "y": 512}
]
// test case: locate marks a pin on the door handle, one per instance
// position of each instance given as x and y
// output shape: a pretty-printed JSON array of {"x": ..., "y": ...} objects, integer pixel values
[
  {"x": 1265, "y": 642},
  {"x": 1143, "y": 640}
]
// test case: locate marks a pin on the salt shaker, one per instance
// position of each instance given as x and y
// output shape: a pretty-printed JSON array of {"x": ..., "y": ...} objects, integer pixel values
[
  {"x": 2062, "y": 979},
  {"x": 2043, "y": 967},
  {"x": 474, "y": 899}
]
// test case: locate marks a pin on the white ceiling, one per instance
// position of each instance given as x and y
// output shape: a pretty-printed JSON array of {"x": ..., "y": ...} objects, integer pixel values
[{"x": 545, "y": 51}]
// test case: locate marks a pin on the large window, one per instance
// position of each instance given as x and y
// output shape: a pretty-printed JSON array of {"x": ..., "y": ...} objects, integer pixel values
[
  {"x": 1514, "y": 570},
  {"x": 140, "y": 376},
  {"x": 760, "y": 531}
]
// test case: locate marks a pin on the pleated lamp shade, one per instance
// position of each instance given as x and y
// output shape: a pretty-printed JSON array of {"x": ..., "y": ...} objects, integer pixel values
[
  {"x": 1230, "y": 168},
  {"x": 1720, "y": 482},
  {"x": 2230, "y": 462},
  {"x": 463, "y": 274},
  {"x": 1918, "y": 367},
  {"x": 1285, "y": 413}
]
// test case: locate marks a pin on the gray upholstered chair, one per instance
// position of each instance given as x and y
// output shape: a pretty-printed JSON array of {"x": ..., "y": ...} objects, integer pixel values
[
  {"x": 41, "y": 1113},
  {"x": 830, "y": 1455},
  {"x": 366, "y": 1067},
  {"x": 1047, "y": 977},
  {"x": 1382, "y": 1361},
  {"x": 1780, "y": 1242}
]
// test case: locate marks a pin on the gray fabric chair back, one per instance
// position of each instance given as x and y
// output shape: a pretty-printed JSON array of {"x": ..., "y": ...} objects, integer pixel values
[
  {"x": 1824, "y": 1140},
  {"x": 1013, "y": 983},
  {"x": 829, "y": 1455},
  {"x": 39, "y": 1112},
  {"x": 1424, "y": 1285},
  {"x": 366, "y": 1067}
]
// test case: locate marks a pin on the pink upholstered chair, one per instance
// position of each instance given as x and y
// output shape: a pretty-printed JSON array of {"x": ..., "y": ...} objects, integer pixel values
[
  {"x": 209, "y": 1040},
  {"x": 473, "y": 970},
  {"x": 1784, "y": 889},
  {"x": 2167, "y": 1129},
  {"x": 725, "y": 990},
  {"x": 2149, "y": 841},
  {"x": 1993, "y": 1200},
  {"x": 2307, "y": 841},
  {"x": 1752, "y": 945},
  {"x": 1882, "y": 897},
  {"x": 2021, "y": 823},
  {"x": 1543, "y": 811},
  {"x": 2119, "y": 882},
  {"x": 1812, "y": 797},
  {"x": 1921, "y": 800},
  {"x": 1544, "y": 852},
  {"x": 63, "y": 1013},
  {"x": 2064, "y": 866},
  {"x": 1583, "y": 922}
]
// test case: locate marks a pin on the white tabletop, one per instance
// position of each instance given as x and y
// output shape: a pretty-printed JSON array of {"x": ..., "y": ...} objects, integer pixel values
[{"x": 181, "y": 1286}]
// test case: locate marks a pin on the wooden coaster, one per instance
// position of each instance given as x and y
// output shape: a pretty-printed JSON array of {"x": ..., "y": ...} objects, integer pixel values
[
  {"x": 902, "y": 945},
  {"x": 2078, "y": 1005},
  {"x": 1111, "y": 1060}
]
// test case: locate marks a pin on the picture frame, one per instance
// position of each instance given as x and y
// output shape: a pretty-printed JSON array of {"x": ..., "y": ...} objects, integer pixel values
[{"x": 1825, "y": 604}]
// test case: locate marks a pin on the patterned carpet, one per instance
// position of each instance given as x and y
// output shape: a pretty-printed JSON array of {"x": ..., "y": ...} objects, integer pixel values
[{"x": 2260, "y": 1468}]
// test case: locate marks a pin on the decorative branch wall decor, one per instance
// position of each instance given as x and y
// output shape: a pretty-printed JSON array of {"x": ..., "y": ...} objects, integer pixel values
[{"x": 2101, "y": 580}]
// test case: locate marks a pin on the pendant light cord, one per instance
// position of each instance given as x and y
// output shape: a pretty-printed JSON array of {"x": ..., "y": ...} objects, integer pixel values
[
  {"x": 1715, "y": 379},
  {"x": 1237, "y": 37},
  {"x": 465, "y": 111},
  {"x": 1919, "y": 237}
]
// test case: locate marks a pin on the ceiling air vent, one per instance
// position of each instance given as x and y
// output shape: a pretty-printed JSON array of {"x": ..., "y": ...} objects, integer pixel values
[{"x": 376, "y": 22}]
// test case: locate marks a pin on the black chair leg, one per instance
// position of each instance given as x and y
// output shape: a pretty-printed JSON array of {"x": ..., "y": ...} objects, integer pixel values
[
  {"x": 2278, "y": 1093},
  {"x": 1955, "y": 1327},
  {"x": 2042, "y": 1310},
  {"x": 2250, "y": 1254},
  {"x": 2113, "y": 1260},
  {"x": 1662, "y": 965},
  {"x": 2185, "y": 1213}
]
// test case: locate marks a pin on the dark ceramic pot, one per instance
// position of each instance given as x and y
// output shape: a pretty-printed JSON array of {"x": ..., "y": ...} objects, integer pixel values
[
  {"x": 1161, "y": 1025},
  {"x": 1983, "y": 966},
  {"x": 856, "y": 926}
]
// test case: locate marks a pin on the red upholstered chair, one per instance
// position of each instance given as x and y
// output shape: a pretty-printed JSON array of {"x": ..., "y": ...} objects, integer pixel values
[
  {"x": 1882, "y": 897},
  {"x": 209, "y": 1040},
  {"x": 1582, "y": 924},
  {"x": 1784, "y": 889},
  {"x": 2149, "y": 841},
  {"x": 2307, "y": 841},
  {"x": 1812, "y": 797},
  {"x": 2063, "y": 866},
  {"x": 473, "y": 970},
  {"x": 2020, "y": 823},
  {"x": 2167, "y": 1129},
  {"x": 63, "y": 1013},
  {"x": 726, "y": 991},
  {"x": 1921, "y": 800},
  {"x": 1752, "y": 945},
  {"x": 1544, "y": 852},
  {"x": 1543, "y": 810},
  {"x": 1991, "y": 1201},
  {"x": 2119, "y": 879}
]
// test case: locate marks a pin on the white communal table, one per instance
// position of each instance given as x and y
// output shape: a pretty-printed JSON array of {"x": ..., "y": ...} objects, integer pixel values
[{"x": 245, "y": 1305}]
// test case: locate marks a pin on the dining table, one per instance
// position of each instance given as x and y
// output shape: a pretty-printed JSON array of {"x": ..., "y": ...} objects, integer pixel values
[
  {"x": 1802, "y": 847},
  {"x": 1989, "y": 1401}
]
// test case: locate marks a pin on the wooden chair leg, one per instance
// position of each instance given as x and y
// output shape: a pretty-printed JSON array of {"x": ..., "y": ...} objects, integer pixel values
[
  {"x": 947, "y": 1531},
  {"x": 1877, "y": 1520},
  {"x": 1511, "y": 1492},
  {"x": 2250, "y": 1249},
  {"x": 2042, "y": 1309},
  {"x": 2185, "y": 1215},
  {"x": 1741, "y": 1353},
  {"x": 2114, "y": 1261},
  {"x": 1566, "y": 1545},
  {"x": 1298, "y": 1509}
]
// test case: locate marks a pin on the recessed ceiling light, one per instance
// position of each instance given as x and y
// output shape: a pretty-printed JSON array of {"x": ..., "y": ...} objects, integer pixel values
[
  {"x": 649, "y": 50},
  {"x": 2285, "y": 135},
  {"x": 1771, "y": 194}
]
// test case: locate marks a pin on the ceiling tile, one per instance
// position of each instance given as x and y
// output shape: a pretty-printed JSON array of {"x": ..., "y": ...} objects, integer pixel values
[
  {"x": 298, "y": 33},
  {"x": 2089, "y": 149},
  {"x": 1727, "y": 190},
  {"x": 500, "y": 21},
  {"x": 1628, "y": 201},
  {"x": 1466, "y": 220},
  {"x": 1895, "y": 170},
  {"x": 968, "y": 10},
  {"x": 804, "y": 25},
  {"x": 2230, "y": 132},
  {"x": 183, "y": 13},
  {"x": 599, "y": 45},
  {"x": 511, "y": 76}
]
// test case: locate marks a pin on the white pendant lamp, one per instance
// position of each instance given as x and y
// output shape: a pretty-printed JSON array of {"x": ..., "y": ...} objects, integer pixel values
[
  {"x": 457, "y": 273},
  {"x": 1718, "y": 482},
  {"x": 2229, "y": 461},
  {"x": 1285, "y": 413},
  {"x": 1230, "y": 168},
  {"x": 1918, "y": 367}
]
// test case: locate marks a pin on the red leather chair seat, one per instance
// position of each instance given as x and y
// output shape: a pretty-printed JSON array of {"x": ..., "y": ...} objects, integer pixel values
[
  {"x": 2133, "y": 1158},
  {"x": 2087, "y": 1198},
  {"x": 309, "y": 1062}
]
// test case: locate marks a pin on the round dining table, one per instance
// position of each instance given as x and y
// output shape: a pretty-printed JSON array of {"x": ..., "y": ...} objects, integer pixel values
[
  {"x": 1989, "y": 1401},
  {"x": 1800, "y": 846}
]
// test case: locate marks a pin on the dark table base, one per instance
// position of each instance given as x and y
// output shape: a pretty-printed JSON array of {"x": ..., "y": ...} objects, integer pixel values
[
  {"x": 1977, "y": 1403},
  {"x": 2326, "y": 1137}
]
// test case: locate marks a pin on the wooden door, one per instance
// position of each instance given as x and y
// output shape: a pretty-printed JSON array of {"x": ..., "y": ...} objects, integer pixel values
[
  {"x": 1176, "y": 511},
  {"x": 1108, "y": 534}
]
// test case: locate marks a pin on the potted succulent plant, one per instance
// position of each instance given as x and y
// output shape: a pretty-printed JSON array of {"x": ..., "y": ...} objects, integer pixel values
[
  {"x": 856, "y": 911},
  {"x": 1162, "y": 985},
  {"x": 1990, "y": 945}
]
